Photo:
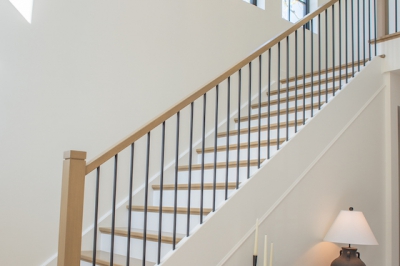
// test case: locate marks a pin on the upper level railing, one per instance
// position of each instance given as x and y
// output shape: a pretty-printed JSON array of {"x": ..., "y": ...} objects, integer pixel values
[{"x": 314, "y": 64}]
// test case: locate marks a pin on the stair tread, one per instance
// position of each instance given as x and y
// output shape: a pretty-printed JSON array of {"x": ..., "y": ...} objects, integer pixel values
[
  {"x": 282, "y": 111},
  {"x": 315, "y": 73},
  {"x": 103, "y": 259},
  {"x": 138, "y": 233},
  {"x": 219, "y": 165},
  {"x": 308, "y": 84},
  {"x": 293, "y": 97},
  {"x": 168, "y": 209},
  {"x": 243, "y": 145},
  {"x": 234, "y": 132},
  {"x": 206, "y": 186}
]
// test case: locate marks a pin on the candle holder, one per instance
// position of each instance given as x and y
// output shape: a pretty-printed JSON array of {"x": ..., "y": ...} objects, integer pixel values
[{"x": 254, "y": 260}]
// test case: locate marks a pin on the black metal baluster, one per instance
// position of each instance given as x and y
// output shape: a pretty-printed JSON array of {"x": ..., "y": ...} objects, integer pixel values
[
  {"x": 259, "y": 111},
  {"x": 333, "y": 50},
  {"x": 369, "y": 29},
  {"x": 178, "y": 116},
  {"x": 96, "y": 216},
  {"x": 358, "y": 34},
  {"x": 249, "y": 124},
  {"x": 190, "y": 168},
  {"x": 228, "y": 112},
  {"x": 326, "y": 55},
  {"x": 352, "y": 38},
  {"x": 304, "y": 76},
  {"x": 346, "y": 40},
  {"x": 375, "y": 37},
  {"x": 238, "y": 138},
  {"x": 287, "y": 86},
  {"x": 312, "y": 68},
  {"x": 128, "y": 244},
  {"x": 319, "y": 62},
  {"x": 364, "y": 38},
  {"x": 295, "y": 81},
  {"x": 269, "y": 106},
  {"x": 113, "y": 210},
  {"x": 203, "y": 139},
  {"x": 160, "y": 210},
  {"x": 215, "y": 146},
  {"x": 340, "y": 45},
  {"x": 146, "y": 195},
  {"x": 279, "y": 96}
]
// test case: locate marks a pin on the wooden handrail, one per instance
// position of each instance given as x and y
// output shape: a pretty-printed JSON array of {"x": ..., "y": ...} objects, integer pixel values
[{"x": 102, "y": 158}]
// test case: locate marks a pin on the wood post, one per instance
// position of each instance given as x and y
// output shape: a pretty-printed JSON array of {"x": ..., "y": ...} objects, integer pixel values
[
  {"x": 382, "y": 18},
  {"x": 70, "y": 232}
]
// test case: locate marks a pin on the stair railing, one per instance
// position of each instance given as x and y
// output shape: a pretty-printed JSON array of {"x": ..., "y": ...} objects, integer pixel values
[{"x": 275, "y": 88}]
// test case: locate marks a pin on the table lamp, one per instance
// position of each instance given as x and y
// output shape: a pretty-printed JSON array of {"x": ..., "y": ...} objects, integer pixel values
[{"x": 350, "y": 227}]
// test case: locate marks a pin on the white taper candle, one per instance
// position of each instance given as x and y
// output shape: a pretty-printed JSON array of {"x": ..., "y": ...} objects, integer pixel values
[
  {"x": 256, "y": 240},
  {"x": 265, "y": 250},
  {"x": 270, "y": 254}
]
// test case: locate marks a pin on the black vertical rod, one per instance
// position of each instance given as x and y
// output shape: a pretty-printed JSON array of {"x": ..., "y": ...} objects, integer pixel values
[
  {"x": 190, "y": 168},
  {"x": 395, "y": 15},
  {"x": 269, "y": 106},
  {"x": 178, "y": 117},
  {"x": 375, "y": 37},
  {"x": 146, "y": 195},
  {"x": 346, "y": 41},
  {"x": 287, "y": 86},
  {"x": 259, "y": 111},
  {"x": 215, "y": 146},
  {"x": 128, "y": 244},
  {"x": 239, "y": 118},
  {"x": 295, "y": 82},
  {"x": 319, "y": 62},
  {"x": 340, "y": 45},
  {"x": 113, "y": 210},
  {"x": 248, "y": 124},
  {"x": 160, "y": 210},
  {"x": 326, "y": 55},
  {"x": 352, "y": 38},
  {"x": 358, "y": 34},
  {"x": 312, "y": 68},
  {"x": 203, "y": 139},
  {"x": 304, "y": 75},
  {"x": 369, "y": 29},
  {"x": 364, "y": 33},
  {"x": 228, "y": 113},
  {"x": 333, "y": 50},
  {"x": 96, "y": 215},
  {"x": 279, "y": 97}
]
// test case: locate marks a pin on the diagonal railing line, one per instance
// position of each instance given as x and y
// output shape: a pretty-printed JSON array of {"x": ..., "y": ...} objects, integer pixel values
[{"x": 111, "y": 152}]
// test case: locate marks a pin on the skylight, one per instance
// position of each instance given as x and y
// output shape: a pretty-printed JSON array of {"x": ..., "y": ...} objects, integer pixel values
[{"x": 24, "y": 7}]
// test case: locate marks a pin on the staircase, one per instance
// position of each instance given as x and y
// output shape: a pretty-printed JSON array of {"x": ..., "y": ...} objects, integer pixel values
[
  {"x": 267, "y": 98},
  {"x": 315, "y": 96}
]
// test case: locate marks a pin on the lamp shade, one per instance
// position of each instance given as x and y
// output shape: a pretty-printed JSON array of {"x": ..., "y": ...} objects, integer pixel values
[{"x": 351, "y": 227}]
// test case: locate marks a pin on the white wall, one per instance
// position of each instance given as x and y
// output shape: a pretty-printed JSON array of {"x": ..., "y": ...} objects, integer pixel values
[
  {"x": 298, "y": 194},
  {"x": 85, "y": 74}
]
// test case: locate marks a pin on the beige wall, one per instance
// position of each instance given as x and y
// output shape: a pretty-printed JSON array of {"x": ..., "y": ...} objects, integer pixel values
[{"x": 85, "y": 74}]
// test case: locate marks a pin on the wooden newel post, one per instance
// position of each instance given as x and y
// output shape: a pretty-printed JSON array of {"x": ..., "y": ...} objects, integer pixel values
[{"x": 71, "y": 214}]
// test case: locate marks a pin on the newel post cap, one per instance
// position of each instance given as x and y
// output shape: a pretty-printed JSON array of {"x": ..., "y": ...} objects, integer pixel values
[{"x": 76, "y": 155}]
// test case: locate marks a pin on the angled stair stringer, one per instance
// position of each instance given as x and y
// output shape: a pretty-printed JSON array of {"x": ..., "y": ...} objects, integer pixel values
[{"x": 226, "y": 229}]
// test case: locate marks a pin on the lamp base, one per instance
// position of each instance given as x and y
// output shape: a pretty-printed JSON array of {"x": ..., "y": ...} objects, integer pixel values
[{"x": 348, "y": 257}]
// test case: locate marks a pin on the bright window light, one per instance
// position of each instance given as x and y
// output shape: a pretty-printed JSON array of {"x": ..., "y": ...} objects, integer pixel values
[{"x": 24, "y": 7}]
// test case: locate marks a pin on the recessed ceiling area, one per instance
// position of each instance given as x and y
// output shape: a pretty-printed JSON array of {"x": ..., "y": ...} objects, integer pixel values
[{"x": 24, "y": 7}]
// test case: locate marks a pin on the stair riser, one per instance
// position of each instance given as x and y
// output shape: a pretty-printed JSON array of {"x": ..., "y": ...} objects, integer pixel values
[
  {"x": 273, "y": 118},
  {"x": 221, "y": 141},
  {"x": 136, "y": 248},
  {"x": 292, "y": 103},
  {"x": 221, "y": 155},
  {"x": 168, "y": 198},
  {"x": 209, "y": 175},
  {"x": 167, "y": 220}
]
